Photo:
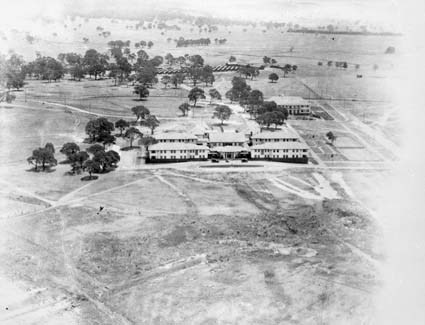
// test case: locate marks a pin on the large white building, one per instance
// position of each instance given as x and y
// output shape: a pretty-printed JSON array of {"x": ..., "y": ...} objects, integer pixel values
[
  {"x": 177, "y": 151},
  {"x": 281, "y": 151},
  {"x": 284, "y": 135},
  {"x": 222, "y": 139},
  {"x": 294, "y": 104},
  {"x": 172, "y": 137}
]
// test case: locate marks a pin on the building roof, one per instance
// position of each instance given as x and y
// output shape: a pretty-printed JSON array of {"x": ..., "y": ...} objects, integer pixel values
[
  {"x": 229, "y": 149},
  {"x": 280, "y": 145},
  {"x": 227, "y": 137},
  {"x": 175, "y": 136},
  {"x": 285, "y": 133},
  {"x": 177, "y": 146},
  {"x": 288, "y": 100}
]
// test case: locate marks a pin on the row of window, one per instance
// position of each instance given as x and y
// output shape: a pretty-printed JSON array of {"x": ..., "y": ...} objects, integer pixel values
[
  {"x": 275, "y": 140},
  {"x": 280, "y": 150},
  {"x": 178, "y": 140},
  {"x": 181, "y": 157},
  {"x": 282, "y": 156},
  {"x": 175, "y": 151}
]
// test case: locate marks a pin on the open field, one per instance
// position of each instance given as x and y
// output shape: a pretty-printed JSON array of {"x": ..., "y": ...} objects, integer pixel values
[{"x": 190, "y": 247}]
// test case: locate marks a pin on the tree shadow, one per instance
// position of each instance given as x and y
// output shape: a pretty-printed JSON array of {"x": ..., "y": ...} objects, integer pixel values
[
  {"x": 139, "y": 99},
  {"x": 89, "y": 178},
  {"x": 40, "y": 170},
  {"x": 129, "y": 148}
]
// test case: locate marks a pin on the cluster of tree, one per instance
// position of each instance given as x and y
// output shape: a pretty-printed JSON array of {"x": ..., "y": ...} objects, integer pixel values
[
  {"x": 338, "y": 64},
  {"x": 249, "y": 71},
  {"x": 269, "y": 113},
  {"x": 44, "y": 157},
  {"x": 143, "y": 44},
  {"x": 12, "y": 72},
  {"x": 95, "y": 159},
  {"x": 146, "y": 118},
  {"x": 220, "y": 41},
  {"x": 45, "y": 68},
  {"x": 181, "y": 42},
  {"x": 269, "y": 60},
  {"x": 239, "y": 92},
  {"x": 201, "y": 74}
]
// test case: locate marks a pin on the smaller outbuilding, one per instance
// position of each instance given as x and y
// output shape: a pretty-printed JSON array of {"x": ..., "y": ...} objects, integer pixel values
[{"x": 294, "y": 104}]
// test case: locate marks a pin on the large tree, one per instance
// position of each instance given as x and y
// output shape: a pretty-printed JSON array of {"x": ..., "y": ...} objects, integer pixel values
[
  {"x": 44, "y": 157},
  {"x": 151, "y": 122},
  {"x": 98, "y": 128},
  {"x": 69, "y": 149},
  {"x": 95, "y": 63},
  {"x": 142, "y": 91},
  {"x": 121, "y": 125},
  {"x": 131, "y": 134},
  {"x": 273, "y": 77},
  {"x": 222, "y": 112},
  {"x": 195, "y": 94},
  {"x": 140, "y": 111}
]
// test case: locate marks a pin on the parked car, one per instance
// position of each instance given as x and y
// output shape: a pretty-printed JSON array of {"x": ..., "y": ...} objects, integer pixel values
[
  {"x": 244, "y": 160},
  {"x": 214, "y": 160}
]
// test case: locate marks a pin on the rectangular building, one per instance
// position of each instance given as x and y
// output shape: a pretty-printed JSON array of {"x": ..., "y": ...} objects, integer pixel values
[
  {"x": 296, "y": 152},
  {"x": 284, "y": 135},
  {"x": 173, "y": 137},
  {"x": 176, "y": 152},
  {"x": 294, "y": 104},
  {"x": 222, "y": 139}
]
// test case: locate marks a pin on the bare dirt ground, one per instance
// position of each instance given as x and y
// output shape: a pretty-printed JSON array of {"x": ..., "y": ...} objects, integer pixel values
[{"x": 173, "y": 246}]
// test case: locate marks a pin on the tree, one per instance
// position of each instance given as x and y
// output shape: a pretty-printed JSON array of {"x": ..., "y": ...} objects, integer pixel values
[
  {"x": 207, "y": 75},
  {"x": 77, "y": 160},
  {"x": 196, "y": 61},
  {"x": 214, "y": 94},
  {"x": 195, "y": 94},
  {"x": 177, "y": 79},
  {"x": 166, "y": 80},
  {"x": 44, "y": 157},
  {"x": 151, "y": 122},
  {"x": 266, "y": 60},
  {"x": 254, "y": 101},
  {"x": 150, "y": 44},
  {"x": 112, "y": 158},
  {"x": 99, "y": 128},
  {"x": 184, "y": 108},
  {"x": 142, "y": 91},
  {"x": 131, "y": 134},
  {"x": 273, "y": 77},
  {"x": 140, "y": 111},
  {"x": 95, "y": 63},
  {"x": 69, "y": 149},
  {"x": 169, "y": 58},
  {"x": 222, "y": 112},
  {"x": 331, "y": 137},
  {"x": 232, "y": 59},
  {"x": 121, "y": 125},
  {"x": 93, "y": 149},
  {"x": 108, "y": 139},
  {"x": 147, "y": 141},
  {"x": 91, "y": 167}
]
